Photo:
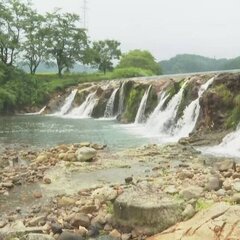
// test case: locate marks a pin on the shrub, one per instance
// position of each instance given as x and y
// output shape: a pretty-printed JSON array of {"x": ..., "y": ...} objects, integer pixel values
[{"x": 131, "y": 72}]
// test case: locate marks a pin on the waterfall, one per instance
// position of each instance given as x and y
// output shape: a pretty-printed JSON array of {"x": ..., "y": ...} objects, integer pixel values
[
  {"x": 187, "y": 123},
  {"x": 141, "y": 110},
  {"x": 109, "y": 111},
  {"x": 67, "y": 104},
  {"x": 85, "y": 109},
  {"x": 121, "y": 99},
  {"x": 162, "y": 121}
]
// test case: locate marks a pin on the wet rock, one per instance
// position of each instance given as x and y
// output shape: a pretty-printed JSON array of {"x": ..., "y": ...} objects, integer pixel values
[
  {"x": 35, "y": 236},
  {"x": 85, "y": 154},
  {"x": 194, "y": 192},
  {"x": 146, "y": 209},
  {"x": 115, "y": 234},
  {"x": 214, "y": 183}
]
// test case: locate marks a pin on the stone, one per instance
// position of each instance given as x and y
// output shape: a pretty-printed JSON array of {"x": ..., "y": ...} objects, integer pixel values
[
  {"x": 47, "y": 180},
  {"x": 236, "y": 198},
  {"x": 36, "y": 220},
  {"x": 128, "y": 180},
  {"x": 80, "y": 219},
  {"x": 227, "y": 185},
  {"x": 70, "y": 236},
  {"x": 7, "y": 185},
  {"x": 188, "y": 212},
  {"x": 236, "y": 186},
  {"x": 105, "y": 194},
  {"x": 126, "y": 236},
  {"x": 192, "y": 192},
  {"x": 56, "y": 228},
  {"x": 36, "y": 236},
  {"x": 236, "y": 175},
  {"x": 171, "y": 189},
  {"x": 37, "y": 194},
  {"x": 185, "y": 174},
  {"x": 221, "y": 192},
  {"x": 147, "y": 209},
  {"x": 85, "y": 154},
  {"x": 41, "y": 158},
  {"x": 214, "y": 183},
  {"x": 66, "y": 201},
  {"x": 93, "y": 231},
  {"x": 217, "y": 222},
  {"x": 82, "y": 231},
  {"x": 115, "y": 234},
  {"x": 225, "y": 165},
  {"x": 3, "y": 223},
  {"x": 84, "y": 144}
]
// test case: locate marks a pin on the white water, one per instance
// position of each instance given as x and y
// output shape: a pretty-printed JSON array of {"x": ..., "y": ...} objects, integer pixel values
[
  {"x": 67, "y": 104},
  {"x": 85, "y": 109},
  {"x": 187, "y": 123},
  {"x": 162, "y": 121},
  {"x": 142, "y": 107},
  {"x": 121, "y": 98},
  {"x": 230, "y": 145},
  {"x": 37, "y": 113},
  {"x": 109, "y": 111}
]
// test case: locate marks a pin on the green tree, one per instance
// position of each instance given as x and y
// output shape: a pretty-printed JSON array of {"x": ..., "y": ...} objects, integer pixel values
[
  {"x": 104, "y": 53},
  {"x": 13, "y": 15},
  {"x": 140, "y": 59},
  {"x": 66, "y": 42},
  {"x": 34, "y": 46}
]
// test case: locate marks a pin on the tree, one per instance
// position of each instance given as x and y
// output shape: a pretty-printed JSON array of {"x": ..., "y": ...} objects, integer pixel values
[
  {"x": 66, "y": 42},
  {"x": 13, "y": 15},
  {"x": 34, "y": 46},
  {"x": 104, "y": 53},
  {"x": 140, "y": 59}
]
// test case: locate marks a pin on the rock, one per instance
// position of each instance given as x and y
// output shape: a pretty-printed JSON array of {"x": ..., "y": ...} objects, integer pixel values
[
  {"x": 7, "y": 185},
  {"x": 37, "y": 194},
  {"x": 185, "y": 174},
  {"x": 3, "y": 223},
  {"x": 188, "y": 212},
  {"x": 115, "y": 234},
  {"x": 217, "y": 222},
  {"x": 93, "y": 232},
  {"x": 82, "y": 231},
  {"x": 214, "y": 183},
  {"x": 192, "y": 192},
  {"x": 236, "y": 186},
  {"x": 62, "y": 156},
  {"x": 236, "y": 198},
  {"x": 66, "y": 201},
  {"x": 47, "y": 180},
  {"x": 36, "y": 236},
  {"x": 70, "y": 236},
  {"x": 85, "y": 154},
  {"x": 227, "y": 185},
  {"x": 236, "y": 175},
  {"x": 221, "y": 192},
  {"x": 126, "y": 236},
  {"x": 128, "y": 180},
  {"x": 41, "y": 158},
  {"x": 36, "y": 220},
  {"x": 147, "y": 209},
  {"x": 80, "y": 219},
  {"x": 56, "y": 228},
  {"x": 226, "y": 165},
  {"x": 84, "y": 144},
  {"x": 171, "y": 189},
  {"x": 98, "y": 146},
  {"x": 105, "y": 194}
]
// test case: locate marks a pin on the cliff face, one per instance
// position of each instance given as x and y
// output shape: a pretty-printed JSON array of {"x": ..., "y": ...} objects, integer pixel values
[{"x": 216, "y": 96}]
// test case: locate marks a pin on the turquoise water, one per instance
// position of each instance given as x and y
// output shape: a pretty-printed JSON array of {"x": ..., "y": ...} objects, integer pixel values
[{"x": 42, "y": 131}]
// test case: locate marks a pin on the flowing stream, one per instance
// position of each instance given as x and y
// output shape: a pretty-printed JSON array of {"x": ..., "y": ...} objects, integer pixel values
[{"x": 109, "y": 111}]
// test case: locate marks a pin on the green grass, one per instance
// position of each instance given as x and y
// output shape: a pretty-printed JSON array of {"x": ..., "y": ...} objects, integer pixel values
[{"x": 203, "y": 204}]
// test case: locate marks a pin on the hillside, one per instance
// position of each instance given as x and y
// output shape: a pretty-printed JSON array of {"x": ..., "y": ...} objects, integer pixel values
[{"x": 186, "y": 63}]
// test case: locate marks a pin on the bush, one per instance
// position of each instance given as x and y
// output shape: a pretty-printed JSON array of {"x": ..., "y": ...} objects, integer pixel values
[{"x": 131, "y": 72}]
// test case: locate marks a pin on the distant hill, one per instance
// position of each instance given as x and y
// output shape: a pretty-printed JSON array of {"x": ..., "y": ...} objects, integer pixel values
[
  {"x": 186, "y": 63},
  {"x": 44, "y": 68}
]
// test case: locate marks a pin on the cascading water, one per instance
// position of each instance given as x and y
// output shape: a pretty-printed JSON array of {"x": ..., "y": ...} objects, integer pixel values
[
  {"x": 109, "y": 111},
  {"x": 85, "y": 109},
  {"x": 161, "y": 121},
  {"x": 121, "y": 98},
  {"x": 141, "y": 110},
  {"x": 67, "y": 104},
  {"x": 191, "y": 113}
]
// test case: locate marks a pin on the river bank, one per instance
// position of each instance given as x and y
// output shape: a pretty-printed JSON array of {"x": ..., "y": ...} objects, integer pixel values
[{"x": 129, "y": 194}]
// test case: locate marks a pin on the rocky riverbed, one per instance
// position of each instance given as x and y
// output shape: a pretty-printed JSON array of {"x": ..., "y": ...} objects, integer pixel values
[{"x": 85, "y": 191}]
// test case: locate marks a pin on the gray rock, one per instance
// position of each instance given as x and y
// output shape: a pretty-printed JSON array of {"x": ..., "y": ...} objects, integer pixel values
[
  {"x": 70, "y": 236},
  {"x": 194, "y": 192},
  {"x": 188, "y": 212},
  {"x": 80, "y": 219},
  {"x": 236, "y": 198},
  {"x": 85, "y": 154},
  {"x": 36, "y": 236},
  {"x": 225, "y": 165},
  {"x": 236, "y": 186},
  {"x": 147, "y": 209},
  {"x": 105, "y": 194},
  {"x": 214, "y": 183}
]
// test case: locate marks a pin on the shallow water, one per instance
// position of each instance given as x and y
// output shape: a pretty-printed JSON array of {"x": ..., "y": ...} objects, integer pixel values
[{"x": 43, "y": 131}]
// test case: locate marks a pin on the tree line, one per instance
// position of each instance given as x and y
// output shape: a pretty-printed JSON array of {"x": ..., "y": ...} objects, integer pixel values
[{"x": 32, "y": 38}]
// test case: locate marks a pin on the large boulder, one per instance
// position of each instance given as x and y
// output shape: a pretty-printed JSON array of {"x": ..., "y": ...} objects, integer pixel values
[
  {"x": 85, "y": 154},
  {"x": 148, "y": 211},
  {"x": 221, "y": 222}
]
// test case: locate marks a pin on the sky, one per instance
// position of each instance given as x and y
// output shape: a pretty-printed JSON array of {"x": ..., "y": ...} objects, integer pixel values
[{"x": 164, "y": 27}]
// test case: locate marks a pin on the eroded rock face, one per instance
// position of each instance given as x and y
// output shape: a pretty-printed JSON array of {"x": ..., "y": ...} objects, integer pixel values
[
  {"x": 219, "y": 222},
  {"x": 150, "y": 212}
]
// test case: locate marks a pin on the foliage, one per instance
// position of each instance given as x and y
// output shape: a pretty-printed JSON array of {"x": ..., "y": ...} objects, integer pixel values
[
  {"x": 225, "y": 94},
  {"x": 103, "y": 53},
  {"x": 131, "y": 72},
  {"x": 186, "y": 63},
  {"x": 140, "y": 59},
  {"x": 203, "y": 204}
]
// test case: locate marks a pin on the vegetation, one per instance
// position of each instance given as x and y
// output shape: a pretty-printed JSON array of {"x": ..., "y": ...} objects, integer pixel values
[
  {"x": 141, "y": 60},
  {"x": 186, "y": 63}
]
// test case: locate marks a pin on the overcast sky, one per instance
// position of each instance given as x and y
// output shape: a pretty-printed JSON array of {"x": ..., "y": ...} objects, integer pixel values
[{"x": 164, "y": 27}]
